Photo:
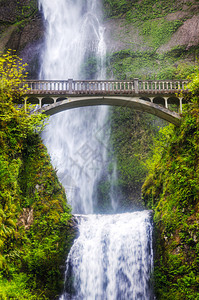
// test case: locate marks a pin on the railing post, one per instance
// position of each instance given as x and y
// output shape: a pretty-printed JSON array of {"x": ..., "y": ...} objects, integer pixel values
[
  {"x": 70, "y": 87},
  {"x": 136, "y": 85}
]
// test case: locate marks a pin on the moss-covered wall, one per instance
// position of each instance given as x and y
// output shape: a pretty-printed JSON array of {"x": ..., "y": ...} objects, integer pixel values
[
  {"x": 149, "y": 65},
  {"x": 172, "y": 190},
  {"x": 132, "y": 134},
  {"x": 151, "y": 39}
]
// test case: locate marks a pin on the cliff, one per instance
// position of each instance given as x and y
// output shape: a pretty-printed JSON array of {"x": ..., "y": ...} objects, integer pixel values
[
  {"x": 35, "y": 220},
  {"x": 130, "y": 24},
  {"x": 149, "y": 40},
  {"x": 22, "y": 29},
  {"x": 159, "y": 35},
  {"x": 172, "y": 189}
]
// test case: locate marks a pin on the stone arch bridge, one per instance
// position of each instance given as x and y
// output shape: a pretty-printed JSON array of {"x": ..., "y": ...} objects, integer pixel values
[{"x": 160, "y": 98}]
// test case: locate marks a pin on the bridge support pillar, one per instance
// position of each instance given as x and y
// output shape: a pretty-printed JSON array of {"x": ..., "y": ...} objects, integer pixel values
[
  {"x": 180, "y": 99},
  {"x": 40, "y": 102},
  {"x": 151, "y": 99},
  {"x": 166, "y": 102}
]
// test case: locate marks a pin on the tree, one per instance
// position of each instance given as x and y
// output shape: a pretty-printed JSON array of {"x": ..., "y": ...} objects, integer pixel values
[
  {"x": 11, "y": 76},
  {"x": 193, "y": 85},
  {"x": 12, "y": 89}
]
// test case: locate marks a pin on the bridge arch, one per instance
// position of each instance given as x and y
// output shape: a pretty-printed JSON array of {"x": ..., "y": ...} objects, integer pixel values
[
  {"x": 33, "y": 100},
  {"x": 159, "y": 100},
  {"x": 47, "y": 100},
  {"x": 132, "y": 102},
  {"x": 173, "y": 100}
]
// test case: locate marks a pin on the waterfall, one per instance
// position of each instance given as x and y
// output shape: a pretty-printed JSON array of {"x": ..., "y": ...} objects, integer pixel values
[
  {"x": 74, "y": 36},
  {"x": 76, "y": 139},
  {"x": 112, "y": 257}
]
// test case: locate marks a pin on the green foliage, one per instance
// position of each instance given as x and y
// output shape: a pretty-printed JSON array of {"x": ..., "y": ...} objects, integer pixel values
[
  {"x": 193, "y": 86},
  {"x": 11, "y": 91},
  {"x": 26, "y": 11},
  {"x": 117, "y": 7},
  {"x": 139, "y": 11},
  {"x": 21, "y": 10},
  {"x": 155, "y": 30},
  {"x": 34, "y": 216},
  {"x": 17, "y": 288},
  {"x": 172, "y": 189},
  {"x": 131, "y": 138},
  {"x": 128, "y": 64},
  {"x": 11, "y": 75},
  {"x": 158, "y": 32}
]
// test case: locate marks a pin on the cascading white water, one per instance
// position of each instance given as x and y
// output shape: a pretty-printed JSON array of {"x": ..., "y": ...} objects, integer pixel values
[
  {"x": 75, "y": 139},
  {"x": 112, "y": 258},
  {"x": 73, "y": 33}
]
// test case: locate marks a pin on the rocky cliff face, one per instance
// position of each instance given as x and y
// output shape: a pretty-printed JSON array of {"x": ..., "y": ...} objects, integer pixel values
[
  {"x": 121, "y": 35},
  {"x": 124, "y": 23},
  {"x": 22, "y": 28},
  {"x": 187, "y": 35}
]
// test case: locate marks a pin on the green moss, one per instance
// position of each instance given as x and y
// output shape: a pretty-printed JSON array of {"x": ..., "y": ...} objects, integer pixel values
[
  {"x": 158, "y": 32},
  {"x": 35, "y": 219},
  {"x": 172, "y": 190},
  {"x": 174, "y": 64},
  {"x": 36, "y": 249},
  {"x": 131, "y": 139},
  {"x": 139, "y": 11}
]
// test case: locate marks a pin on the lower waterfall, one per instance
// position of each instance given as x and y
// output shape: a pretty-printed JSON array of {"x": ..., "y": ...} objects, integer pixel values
[{"x": 112, "y": 258}]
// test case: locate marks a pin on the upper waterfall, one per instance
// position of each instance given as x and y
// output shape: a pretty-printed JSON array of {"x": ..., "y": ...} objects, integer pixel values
[
  {"x": 77, "y": 140},
  {"x": 74, "y": 36}
]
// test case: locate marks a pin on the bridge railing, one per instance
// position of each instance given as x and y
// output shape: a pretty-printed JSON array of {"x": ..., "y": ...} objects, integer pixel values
[
  {"x": 135, "y": 86},
  {"x": 163, "y": 85},
  {"x": 80, "y": 86}
]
